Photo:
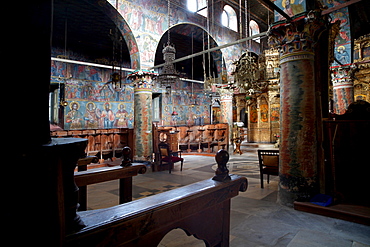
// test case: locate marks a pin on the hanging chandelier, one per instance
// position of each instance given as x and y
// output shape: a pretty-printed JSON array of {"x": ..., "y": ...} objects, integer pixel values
[
  {"x": 115, "y": 83},
  {"x": 169, "y": 75},
  {"x": 247, "y": 75}
]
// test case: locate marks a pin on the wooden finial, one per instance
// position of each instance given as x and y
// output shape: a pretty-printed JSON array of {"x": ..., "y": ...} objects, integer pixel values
[
  {"x": 222, "y": 173},
  {"x": 126, "y": 161}
]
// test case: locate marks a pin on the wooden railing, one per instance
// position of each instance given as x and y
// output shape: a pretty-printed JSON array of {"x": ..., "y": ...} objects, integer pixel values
[
  {"x": 99, "y": 175},
  {"x": 201, "y": 209}
]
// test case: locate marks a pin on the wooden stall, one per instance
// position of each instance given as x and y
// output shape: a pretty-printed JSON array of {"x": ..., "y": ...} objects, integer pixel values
[
  {"x": 194, "y": 139},
  {"x": 104, "y": 143}
]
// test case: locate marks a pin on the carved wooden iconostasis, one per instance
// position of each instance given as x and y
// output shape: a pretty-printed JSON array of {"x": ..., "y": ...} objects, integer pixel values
[
  {"x": 263, "y": 117},
  {"x": 260, "y": 111},
  {"x": 361, "y": 76}
]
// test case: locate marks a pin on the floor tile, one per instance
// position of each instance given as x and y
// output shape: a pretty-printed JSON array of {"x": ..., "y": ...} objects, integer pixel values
[
  {"x": 317, "y": 239},
  {"x": 256, "y": 218}
]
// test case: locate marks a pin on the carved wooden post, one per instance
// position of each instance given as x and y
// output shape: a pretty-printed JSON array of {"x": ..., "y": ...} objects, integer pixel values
[
  {"x": 222, "y": 173},
  {"x": 126, "y": 152}
]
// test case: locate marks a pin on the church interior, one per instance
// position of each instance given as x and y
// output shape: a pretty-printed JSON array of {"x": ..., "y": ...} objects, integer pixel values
[{"x": 159, "y": 123}]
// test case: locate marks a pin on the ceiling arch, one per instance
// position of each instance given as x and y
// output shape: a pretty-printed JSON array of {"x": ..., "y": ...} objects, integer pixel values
[
  {"x": 84, "y": 28},
  {"x": 189, "y": 39}
]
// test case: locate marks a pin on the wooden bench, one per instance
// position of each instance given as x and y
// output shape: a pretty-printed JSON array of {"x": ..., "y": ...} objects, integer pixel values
[
  {"x": 201, "y": 209},
  {"x": 99, "y": 175}
]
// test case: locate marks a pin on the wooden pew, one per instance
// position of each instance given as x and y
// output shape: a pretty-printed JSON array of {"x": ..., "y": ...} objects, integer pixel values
[
  {"x": 82, "y": 164},
  {"x": 99, "y": 175},
  {"x": 124, "y": 173},
  {"x": 201, "y": 209}
]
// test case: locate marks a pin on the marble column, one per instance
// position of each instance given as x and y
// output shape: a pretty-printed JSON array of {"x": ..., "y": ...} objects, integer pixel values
[
  {"x": 298, "y": 149},
  {"x": 143, "y": 141},
  {"x": 343, "y": 93}
]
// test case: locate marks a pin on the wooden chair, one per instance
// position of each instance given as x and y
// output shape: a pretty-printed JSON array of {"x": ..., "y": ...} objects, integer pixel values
[
  {"x": 166, "y": 156},
  {"x": 269, "y": 163}
]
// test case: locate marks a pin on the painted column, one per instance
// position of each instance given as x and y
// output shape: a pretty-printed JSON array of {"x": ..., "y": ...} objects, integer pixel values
[
  {"x": 343, "y": 94},
  {"x": 298, "y": 148},
  {"x": 226, "y": 107},
  {"x": 143, "y": 141}
]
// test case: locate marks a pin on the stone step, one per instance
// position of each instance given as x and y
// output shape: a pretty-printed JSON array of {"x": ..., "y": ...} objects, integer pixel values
[{"x": 253, "y": 147}]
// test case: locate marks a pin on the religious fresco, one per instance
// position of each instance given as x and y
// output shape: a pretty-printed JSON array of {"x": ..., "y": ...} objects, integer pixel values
[
  {"x": 343, "y": 44},
  {"x": 291, "y": 7},
  {"x": 253, "y": 113},
  {"x": 191, "y": 108},
  {"x": 91, "y": 104},
  {"x": 275, "y": 113},
  {"x": 264, "y": 112},
  {"x": 149, "y": 22},
  {"x": 124, "y": 28},
  {"x": 142, "y": 25}
]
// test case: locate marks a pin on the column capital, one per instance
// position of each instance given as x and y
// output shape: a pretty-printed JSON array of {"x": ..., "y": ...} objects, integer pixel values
[
  {"x": 342, "y": 75},
  {"x": 142, "y": 79},
  {"x": 226, "y": 95},
  {"x": 299, "y": 35}
]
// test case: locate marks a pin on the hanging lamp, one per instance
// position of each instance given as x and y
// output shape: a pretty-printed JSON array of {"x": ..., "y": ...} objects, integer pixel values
[{"x": 169, "y": 75}]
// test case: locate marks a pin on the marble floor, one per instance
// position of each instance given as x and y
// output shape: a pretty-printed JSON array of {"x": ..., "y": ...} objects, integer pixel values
[{"x": 256, "y": 218}]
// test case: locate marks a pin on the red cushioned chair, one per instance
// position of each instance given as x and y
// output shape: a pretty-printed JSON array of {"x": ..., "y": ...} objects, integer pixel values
[{"x": 166, "y": 156}]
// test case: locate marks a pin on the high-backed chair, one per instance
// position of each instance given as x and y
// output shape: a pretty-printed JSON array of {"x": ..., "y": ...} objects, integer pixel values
[
  {"x": 268, "y": 163},
  {"x": 166, "y": 156}
]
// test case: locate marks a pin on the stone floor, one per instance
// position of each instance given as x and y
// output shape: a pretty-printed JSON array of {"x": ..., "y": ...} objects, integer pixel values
[{"x": 256, "y": 218}]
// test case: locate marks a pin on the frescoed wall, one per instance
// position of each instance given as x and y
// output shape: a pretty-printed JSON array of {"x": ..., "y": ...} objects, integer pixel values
[
  {"x": 343, "y": 44},
  {"x": 149, "y": 22},
  {"x": 291, "y": 7},
  {"x": 91, "y": 104},
  {"x": 343, "y": 94},
  {"x": 189, "y": 101}
]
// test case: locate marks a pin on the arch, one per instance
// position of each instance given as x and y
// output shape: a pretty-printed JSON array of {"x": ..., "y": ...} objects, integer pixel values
[
  {"x": 254, "y": 29},
  {"x": 228, "y": 18},
  {"x": 199, "y": 6},
  {"x": 123, "y": 27},
  {"x": 183, "y": 35}
]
